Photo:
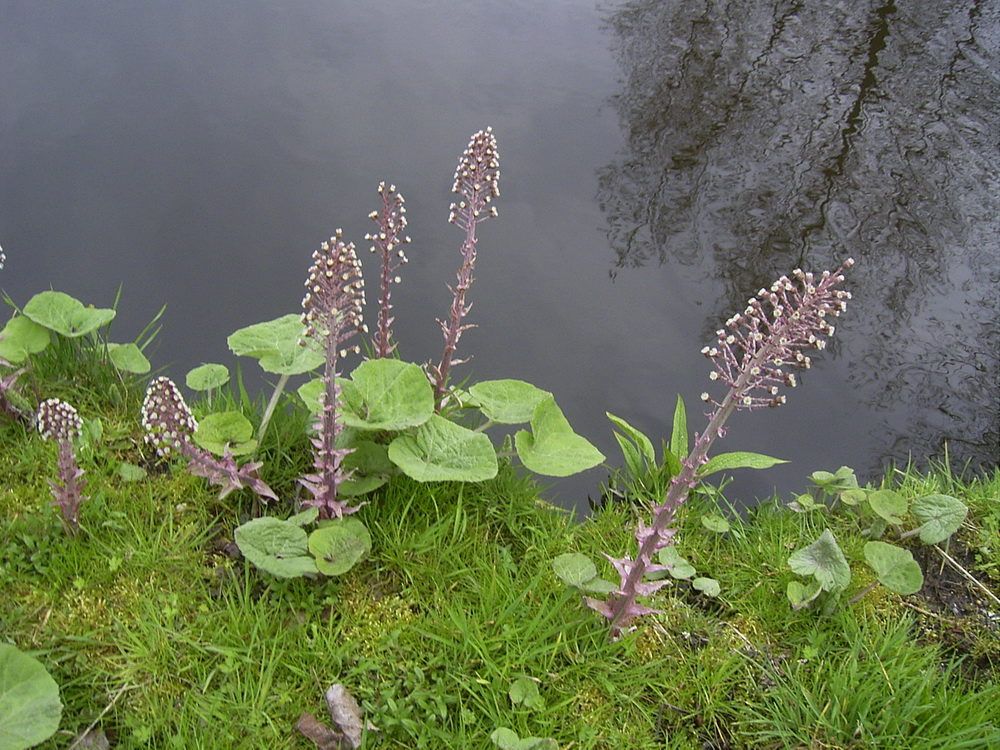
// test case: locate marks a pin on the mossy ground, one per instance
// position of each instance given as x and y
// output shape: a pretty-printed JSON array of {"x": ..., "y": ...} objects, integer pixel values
[{"x": 156, "y": 631}]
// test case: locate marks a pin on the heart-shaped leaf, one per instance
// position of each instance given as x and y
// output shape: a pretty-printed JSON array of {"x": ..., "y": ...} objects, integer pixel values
[
  {"x": 508, "y": 401},
  {"x": 738, "y": 460},
  {"x": 129, "y": 358},
  {"x": 715, "y": 522},
  {"x": 442, "y": 451},
  {"x": 206, "y": 377},
  {"x": 339, "y": 545},
  {"x": 370, "y": 466},
  {"x": 824, "y": 561},
  {"x": 895, "y": 567},
  {"x": 225, "y": 430},
  {"x": 552, "y": 448},
  {"x": 387, "y": 394},
  {"x": 66, "y": 315},
  {"x": 275, "y": 344},
  {"x": 888, "y": 505},
  {"x": 679, "y": 567},
  {"x": 574, "y": 569},
  {"x": 276, "y": 547},
  {"x": 30, "y": 708},
  {"x": 524, "y": 692},
  {"x": 940, "y": 517},
  {"x": 20, "y": 338},
  {"x": 707, "y": 586},
  {"x": 507, "y": 739},
  {"x": 801, "y": 594},
  {"x": 805, "y": 503}
]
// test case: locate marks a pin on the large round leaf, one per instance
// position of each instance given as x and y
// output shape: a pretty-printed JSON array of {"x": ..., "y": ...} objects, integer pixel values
[
  {"x": 888, "y": 505},
  {"x": 276, "y": 547},
  {"x": 66, "y": 315},
  {"x": 442, "y": 451},
  {"x": 20, "y": 337},
  {"x": 574, "y": 569},
  {"x": 30, "y": 708},
  {"x": 339, "y": 545},
  {"x": 275, "y": 344},
  {"x": 208, "y": 376},
  {"x": 370, "y": 468},
  {"x": 225, "y": 430},
  {"x": 387, "y": 394},
  {"x": 508, "y": 401},
  {"x": 940, "y": 516},
  {"x": 552, "y": 448},
  {"x": 128, "y": 358},
  {"x": 895, "y": 567},
  {"x": 824, "y": 561}
]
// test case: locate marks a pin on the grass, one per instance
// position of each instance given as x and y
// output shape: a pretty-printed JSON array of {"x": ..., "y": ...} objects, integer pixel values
[{"x": 151, "y": 629}]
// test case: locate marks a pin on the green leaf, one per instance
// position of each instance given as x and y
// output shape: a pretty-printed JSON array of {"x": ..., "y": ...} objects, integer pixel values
[
  {"x": 276, "y": 547},
  {"x": 311, "y": 391},
  {"x": 888, "y": 505},
  {"x": 707, "y": 586},
  {"x": 508, "y": 401},
  {"x": 715, "y": 522},
  {"x": 640, "y": 446},
  {"x": 895, "y": 567},
  {"x": 129, "y": 358},
  {"x": 506, "y": 739},
  {"x": 738, "y": 460},
  {"x": 679, "y": 432},
  {"x": 206, "y": 377},
  {"x": 679, "y": 567},
  {"x": 306, "y": 517},
  {"x": 940, "y": 517},
  {"x": 339, "y": 545},
  {"x": 225, "y": 429},
  {"x": 574, "y": 569},
  {"x": 387, "y": 394},
  {"x": 30, "y": 708},
  {"x": 442, "y": 451},
  {"x": 65, "y": 315},
  {"x": 824, "y": 561},
  {"x": 371, "y": 468},
  {"x": 20, "y": 338},
  {"x": 275, "y": 345},
  {"x": 552, "y": 448},
  {"x": 130, "y": 472},
  {"x": 842, "y": 479},
  {"x": 598, "y": 586},
  {"x": 524, "y": 692},
  {"x": 853, "y": 496},
  {"x": 805, "y": 503},
  {"x": 800, "y": 595}
]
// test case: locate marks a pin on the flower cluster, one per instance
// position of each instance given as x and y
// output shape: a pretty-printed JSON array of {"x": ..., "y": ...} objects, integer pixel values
[
  {"x": 477, "y": 182},
  {"x": 388, "y": 242},
  {"x": 333, "y": 307},
  {"x": 58, "y": 421},
  {"x": 170, "y": 426},
  {"x": 751, "y": 358}
]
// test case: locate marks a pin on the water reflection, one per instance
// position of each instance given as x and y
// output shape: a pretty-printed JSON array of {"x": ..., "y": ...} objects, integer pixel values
[{"x": 763, "y": 136}]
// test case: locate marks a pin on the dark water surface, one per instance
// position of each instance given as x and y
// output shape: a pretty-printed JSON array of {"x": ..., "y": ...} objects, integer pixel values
[{"x": 661, "y": 161}]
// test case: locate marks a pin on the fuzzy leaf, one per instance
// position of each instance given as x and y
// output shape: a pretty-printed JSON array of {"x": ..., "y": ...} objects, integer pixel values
[
  {"x": 442, "y": 451},
  {"x": 20, "y": 338},
  {"x": 370, "y": 466},
  {"x": 311, "y": 391},
  {"x": 65, "y": 315},
  {"x": 225, "y": 429},
  {"x": 940, "y": 517},
  {"x": 895, "y": 567},
  {"x": 275, "y": 345},
  {"x": 801, "y": 594},
  {"x": 679, "y": 433},
  {"x": 130, "y": 472},
  {"x": 387, "y": 394},
  {"x": 707, "y": 586},
  {"x": 738, "y": 460},
  {"x": 552, "y": 448},
  {"x": 824, "y": 561},
  {"x": 276, "y": 547},
  {"x": 524, "y": 692},
  {"x": 30, "y": 708},
  {"x": 508, "y": 401},
  {"x": 574, "y": 569},
  {"x": 679, "y": 567},
  {"x": 206, "y": 377},
  {"x": 888, "y": 505},
  {"x": 129, "y": 358},
  {"x": 640, "y": 446},
  {"x": 598, "y": 585},
  {"x": 306, "y": 517},
  {"x": 715, "y": 522},
  {"x": 506, "y": 739},
  {"x": 339, "y": 545},
  {"x": 853, "y": 496}
]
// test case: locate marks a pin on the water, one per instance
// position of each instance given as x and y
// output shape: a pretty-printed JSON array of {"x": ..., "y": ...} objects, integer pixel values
[{"x": 661, "y": 161}]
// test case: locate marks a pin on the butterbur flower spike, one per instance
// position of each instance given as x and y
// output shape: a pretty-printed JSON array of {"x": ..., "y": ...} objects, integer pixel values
[
  {"x": 169, "y": 426},
  {"x": 389, "y": 241},
  {"x": 477, "y": 183},
  {"x": 333, "y": 305},
  {"x": 753, "y": 355},
  {"x": 58, "y": 421}
]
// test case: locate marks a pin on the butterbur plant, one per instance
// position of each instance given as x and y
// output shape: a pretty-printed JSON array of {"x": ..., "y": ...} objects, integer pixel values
[
  {"x": 477, "y": 181},
  {"x": 333, "y": 304},
  {"x": 753, "y": 355},
  {"x": 388, "y": 242},
  {"x": 169, "y": 426},
  {"x": 59, "y": 422}
]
